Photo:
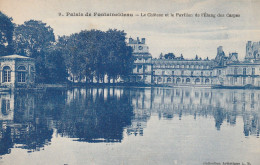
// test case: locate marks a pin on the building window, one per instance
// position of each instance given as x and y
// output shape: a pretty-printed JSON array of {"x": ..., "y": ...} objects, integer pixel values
[
  {"x": 21, "y": 73},
  {"x": 169, "y": 79},
  {"x": 191, "y": 73},
  {"x": 32, "y": 74},
  {"x": 139, "y": 67},
  {"x": 201, "y": 73},
  {"x": 6, "y": 74},
  {"x": 5, "y": 106},
  {"x": 253, "y": 71},
  {"x": 244, "y": 80},
  {"x": 178, "y": 80},
  {"x": 235, "y": 71},
  {"x": 207, "y": 81},
  {"x": 172, "y": 72},
  {"x": 187, "y": 80},
  {"x": 182, "y": 72},
  {"x": 159, "y": 79},
  {"x": 244, "y": 71},
  {"x": 219, "y": 72},
  {"x": 153, "y": 72},
  {"x": 163, "y": 72},
  {"x": 145, "y": 68},
  {"x": 197, "y": 80}
]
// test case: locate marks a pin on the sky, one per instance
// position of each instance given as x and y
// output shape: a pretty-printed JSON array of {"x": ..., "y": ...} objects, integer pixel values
[{"x": 189, "y": 36}]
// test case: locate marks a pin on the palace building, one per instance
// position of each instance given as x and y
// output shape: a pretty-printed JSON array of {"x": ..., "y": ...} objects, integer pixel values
[
  {"x": 17, "y": 71},
  {"x": 222, "y": 71},
  {"x": 142, "y": 68}
]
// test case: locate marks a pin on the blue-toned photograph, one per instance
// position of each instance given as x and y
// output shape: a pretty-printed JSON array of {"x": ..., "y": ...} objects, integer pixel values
[{"x": 167, "y": 82}]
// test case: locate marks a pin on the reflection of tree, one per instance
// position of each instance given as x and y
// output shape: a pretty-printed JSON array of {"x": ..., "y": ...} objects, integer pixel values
[
  {"x": 98, "y": 119},
  {"x": 102, "y": 114},
  {"x": 219, "y": 117}
]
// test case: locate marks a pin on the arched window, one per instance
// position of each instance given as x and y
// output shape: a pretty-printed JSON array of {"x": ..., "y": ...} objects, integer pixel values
[
  {"x": 207, "y": 81},
  {"x": 21, "y": 73},
  {"x": 178, "y": 80},
  {"x": 168, "y": 79},
  {"x": 6, "y": 74},
  {"x": 197, "y": 80},
  {"x": 187, "y": 80}
]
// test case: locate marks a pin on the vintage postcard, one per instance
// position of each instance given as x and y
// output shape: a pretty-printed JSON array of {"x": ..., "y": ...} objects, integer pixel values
[{"x": 159, "y": 82}]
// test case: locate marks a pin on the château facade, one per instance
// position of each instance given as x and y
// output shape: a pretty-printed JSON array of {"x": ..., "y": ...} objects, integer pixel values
[{"x": 224, "y": 70}]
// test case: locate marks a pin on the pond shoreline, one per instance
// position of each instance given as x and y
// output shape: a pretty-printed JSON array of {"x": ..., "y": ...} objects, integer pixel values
[{"x": 44, "y": 87}]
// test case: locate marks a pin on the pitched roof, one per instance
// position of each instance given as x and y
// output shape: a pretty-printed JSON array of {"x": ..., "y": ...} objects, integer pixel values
[{"x": 14, "y": 56}]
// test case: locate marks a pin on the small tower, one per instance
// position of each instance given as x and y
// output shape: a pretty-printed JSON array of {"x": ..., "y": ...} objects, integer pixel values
[
  {"x": 142, "y": 69},
  {"x": 252, "y": 51}
]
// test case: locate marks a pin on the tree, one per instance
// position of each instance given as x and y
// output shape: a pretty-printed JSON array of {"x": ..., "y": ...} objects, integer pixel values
[
  {"x": 35, "y": 39},
  {"x": 96, "y": 53},
  {"x": 55, "y": 66},
  {"x": 169, "y": 56},
  {"x": 32, "y": 37},
  {"x": 74, "y": 52},
  {"x": 6, "y": 34},
  {"x": 119, "y": 61},
  {"x": 161, "y": 56}
]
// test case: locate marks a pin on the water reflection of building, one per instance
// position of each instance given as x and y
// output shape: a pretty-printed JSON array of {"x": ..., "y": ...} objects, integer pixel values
[
  {"x": 20, "y": 125},
  {"x": 7, "y": 107},
  {"x": 223, "y": 105},
  {"x": 104, "y": 114},
  {"x": 142, "y": 113}
]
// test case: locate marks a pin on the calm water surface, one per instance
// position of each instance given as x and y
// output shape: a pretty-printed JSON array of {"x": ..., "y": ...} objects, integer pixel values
[{"x": 130, "y": 126}]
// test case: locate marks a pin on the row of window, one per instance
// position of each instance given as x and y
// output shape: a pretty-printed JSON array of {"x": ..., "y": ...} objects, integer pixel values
[
  {"x": 183, "y": 66},
  {"x": 21, "y": 74},
  {"x": 179, "y": 80},
  {"x": 244, "y": 71},
  {"x": 244, "y": 81},
  {"x": 182, "y": 73}
]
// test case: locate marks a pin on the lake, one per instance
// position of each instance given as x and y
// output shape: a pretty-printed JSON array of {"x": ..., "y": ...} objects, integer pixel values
[{"x": 130, "y": 126}]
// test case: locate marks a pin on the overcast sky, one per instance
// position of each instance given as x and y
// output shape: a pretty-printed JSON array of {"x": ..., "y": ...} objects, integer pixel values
[{"x": 189, "y": 36}]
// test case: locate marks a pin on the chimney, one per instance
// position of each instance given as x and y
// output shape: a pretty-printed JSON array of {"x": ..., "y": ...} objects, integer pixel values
[
  {"x": 219, "y": 50},
  {"x": 138, "y": 41},
  {"x": 143, "y": 40},
  {"x": 130, "y": 40}
]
